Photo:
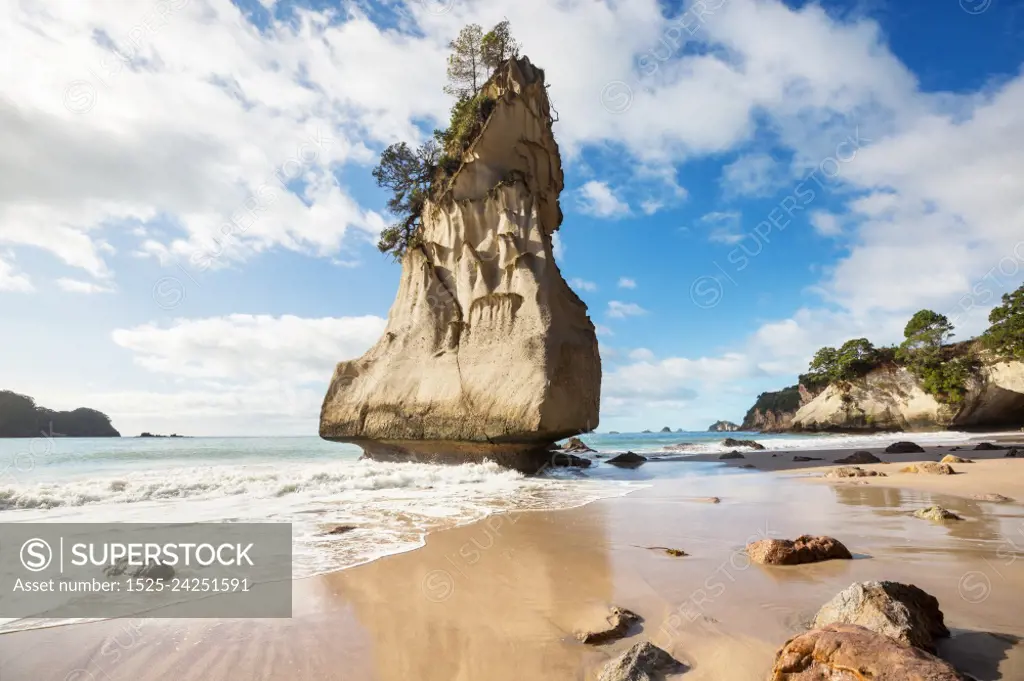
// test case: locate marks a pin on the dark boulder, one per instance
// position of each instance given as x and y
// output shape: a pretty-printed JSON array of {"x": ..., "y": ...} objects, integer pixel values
[
  {"x": 859, "y": 457},
  {"x": 730, "y": 442},
  {"x": 904, "y": 448}
]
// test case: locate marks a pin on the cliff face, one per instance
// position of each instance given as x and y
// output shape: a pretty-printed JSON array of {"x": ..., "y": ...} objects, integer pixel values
[
  {"x": 774, "y": 411},
  {"x": 487, "y": 352},
  {"x": 890, "y": 398}
]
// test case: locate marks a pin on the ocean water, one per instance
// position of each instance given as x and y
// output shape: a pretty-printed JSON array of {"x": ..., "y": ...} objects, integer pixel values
[{"x": 316, "y": 485}]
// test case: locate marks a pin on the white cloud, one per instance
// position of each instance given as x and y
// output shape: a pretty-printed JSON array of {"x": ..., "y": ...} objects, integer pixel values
[
  {"x": 87, "y": 287},
  {"x": 603, "y": 330},
  {"x": 752, "y": 175},
  {"x": 246, "y": 348},
  {"x": 620, "y": 310},
  {"x": 582, "y": 284},
  {"x": 626, "y": 282},
  {"x": 597, "y": 199},
  {"x": 558, "y": 247},
  {"x": 825, "y": 223},
  {"x": 641, "y": 355},
  {"x": 724, "y": 227},
  {"x": 10, "y": 279}
]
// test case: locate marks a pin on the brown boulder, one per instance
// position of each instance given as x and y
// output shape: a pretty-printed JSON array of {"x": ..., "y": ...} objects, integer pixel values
[
  {"x": 576, "y": 445},
  {"x": 619, "y": 622},
  {"x": 987, "y": 447},
  {"x": 992, "y": 497},
  {"x": 951, "y": 458},
  {"x": 847, "y": 652},
  {"x": 929, "y": 467},
  {"x": 902, "y": 612},
  {"x": 936, "y": 513},
  {"x": 643, "y": 662},
  {"x": 731, "y": 455},
  {"x": 805, "y": 549},
  {"x": 852, "y": 472},
  {"x": 860, "y": 457}
]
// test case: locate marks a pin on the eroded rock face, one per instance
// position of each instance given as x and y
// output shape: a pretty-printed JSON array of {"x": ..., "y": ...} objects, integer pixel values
[
  {"x": 487, "y": 351},
  {"x": 891, "y": 398},
  {"x": 902, "y": 612},
  {"x": 847, "y": 652},
  {"x": 805, "y": 549}
]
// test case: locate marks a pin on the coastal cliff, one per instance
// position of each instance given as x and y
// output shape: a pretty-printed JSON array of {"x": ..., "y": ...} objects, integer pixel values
[
  {"x": 487, "y": 353},
  {"x": 891, "y": 398},
  {"x": 773, "y": 412}
]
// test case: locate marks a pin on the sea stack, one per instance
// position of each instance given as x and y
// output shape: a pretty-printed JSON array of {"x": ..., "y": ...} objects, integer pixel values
[{"x": 488, "y": 354}]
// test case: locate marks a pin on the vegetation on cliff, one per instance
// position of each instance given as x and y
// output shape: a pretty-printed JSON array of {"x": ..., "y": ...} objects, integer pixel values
[
  {"x": 779, "y": 402},
  {"x": 415, "y": 176},
  {"x": 1005, "y": 336},
  {"x": 21, "y": 417},
  {"x": 942, "y": 367}
]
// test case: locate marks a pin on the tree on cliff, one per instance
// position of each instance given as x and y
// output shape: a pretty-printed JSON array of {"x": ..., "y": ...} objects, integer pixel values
[
  {"x": 467, "y": 70},
  {"x": 854, "y": 359},
  {"x": 498, "y": 46},
  {"x": 1006, "y": 335},
  {"x": 415, "y": 176},
  {"x": 408, "y": 175},
  {"x": 922, "y": 352}
]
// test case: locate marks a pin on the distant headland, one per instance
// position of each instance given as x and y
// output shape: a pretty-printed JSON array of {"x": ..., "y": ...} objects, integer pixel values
[{"x": 20, "y": 416}]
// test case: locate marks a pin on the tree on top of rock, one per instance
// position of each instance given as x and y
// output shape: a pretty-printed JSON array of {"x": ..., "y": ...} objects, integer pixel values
[
  {"x": 467, "y": 71},
  {"x": 498, "y": 46},
  {"x": 413, "y": 177},
  {"x": 1006, "y": 335}
]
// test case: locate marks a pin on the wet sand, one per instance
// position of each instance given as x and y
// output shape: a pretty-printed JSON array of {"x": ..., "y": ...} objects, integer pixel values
[{"x": 500, "y": 599}]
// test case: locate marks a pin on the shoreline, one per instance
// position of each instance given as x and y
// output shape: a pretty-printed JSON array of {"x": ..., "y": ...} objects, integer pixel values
[{"x": 501, "y": 597}]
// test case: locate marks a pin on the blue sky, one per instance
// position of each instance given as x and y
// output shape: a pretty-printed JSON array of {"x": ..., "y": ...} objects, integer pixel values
[{"x": 691, "y": 136}]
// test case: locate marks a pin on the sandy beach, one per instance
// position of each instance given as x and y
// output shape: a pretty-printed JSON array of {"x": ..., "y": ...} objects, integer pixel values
[{"x": 502, "y": 598}]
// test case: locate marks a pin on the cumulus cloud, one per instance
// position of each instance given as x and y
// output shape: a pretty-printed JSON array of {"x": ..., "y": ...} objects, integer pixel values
[
  {"x": 10, "y": 278},
  {"x": 620, "y": 310},
  {"x": 626, "y": 282},
  {"x": 724, "y": 227},
  {"x": 86, "y": 287},
  {"x": 243, "y": 347},
  {"x": 752, "y": 175},
  {"x": 597, "y": 199},
  {"x": 582, "y": 284}
]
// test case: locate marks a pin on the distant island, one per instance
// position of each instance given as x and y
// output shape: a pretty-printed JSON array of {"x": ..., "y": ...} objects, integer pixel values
[
  {"x": 147, "y": 434},
  {"x": 723, "y": 427},
  {"x": 20, "y": 416}
]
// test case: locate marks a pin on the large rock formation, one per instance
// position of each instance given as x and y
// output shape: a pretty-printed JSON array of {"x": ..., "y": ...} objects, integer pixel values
[
  {"x": 723, "y": 427},
  {"x": 773, "y": 412},
  {"x": 487, "y": 353},
  {"x": 891, "y": 398}
]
